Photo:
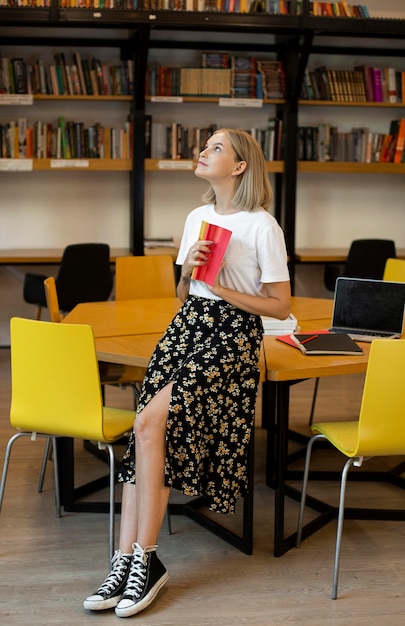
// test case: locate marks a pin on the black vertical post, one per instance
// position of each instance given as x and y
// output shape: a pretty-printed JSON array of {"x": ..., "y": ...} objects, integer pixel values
[
  {"x": 295, "y": 59},
  {"x": 139, "y": 49}
]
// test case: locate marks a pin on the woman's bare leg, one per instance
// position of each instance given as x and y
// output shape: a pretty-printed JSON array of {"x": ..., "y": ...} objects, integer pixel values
[
  {"x": 128, "y": 523},
  {"x": 144, "y": 504}
]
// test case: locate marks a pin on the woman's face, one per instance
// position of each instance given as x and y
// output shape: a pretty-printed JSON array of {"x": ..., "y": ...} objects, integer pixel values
[{"x": 218, "y": 160}]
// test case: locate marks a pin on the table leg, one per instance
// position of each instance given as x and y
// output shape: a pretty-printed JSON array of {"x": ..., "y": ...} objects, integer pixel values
[{"x": 278, "y": 396}]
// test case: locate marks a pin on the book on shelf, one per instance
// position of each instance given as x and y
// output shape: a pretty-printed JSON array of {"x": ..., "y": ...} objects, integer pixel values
[
  {"x": 338, "y": 9},
  {"x": 399, "y": 148},
  {"x": 326, "y": 343},
  {"x": 274, "y": 326},
  {"x": 220, "y": 238}
]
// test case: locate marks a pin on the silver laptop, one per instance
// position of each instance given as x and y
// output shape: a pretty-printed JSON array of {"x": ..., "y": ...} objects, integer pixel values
[{"x": 368, "y": 309}]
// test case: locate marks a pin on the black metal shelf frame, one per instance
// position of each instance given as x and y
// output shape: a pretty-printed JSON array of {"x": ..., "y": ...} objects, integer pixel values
[{"x": 292, "y": 38}]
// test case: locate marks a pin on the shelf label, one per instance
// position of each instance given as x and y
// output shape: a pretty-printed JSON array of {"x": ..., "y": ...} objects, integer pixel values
[
  {"x": 16, "y": 165},
  {"x": 255, "y": 103},
  {"x": 176, "y": 99},
  {"x": 60, "y": 163},
  {"x": 175, "y": 165},
  {"x": 25, "y": 99}
]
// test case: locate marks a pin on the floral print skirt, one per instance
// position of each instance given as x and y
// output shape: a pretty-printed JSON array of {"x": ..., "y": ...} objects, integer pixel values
[{"x": 210, "y": 352}]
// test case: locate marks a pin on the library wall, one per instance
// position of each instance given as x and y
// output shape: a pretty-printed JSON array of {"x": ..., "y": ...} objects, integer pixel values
[{"x": 53, "y": 209}]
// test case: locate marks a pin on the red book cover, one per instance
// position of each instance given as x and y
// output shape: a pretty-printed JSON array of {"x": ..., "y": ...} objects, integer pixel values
[
  {"x": 377, "y": 85},
  {"x": 220, "y": 238},
  {"x": 289, "y": 341},
  {"x": 399, "y": 149}
]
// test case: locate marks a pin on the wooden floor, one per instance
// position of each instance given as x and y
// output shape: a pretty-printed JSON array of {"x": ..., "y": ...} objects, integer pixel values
[{"x": 49, "y": 565}]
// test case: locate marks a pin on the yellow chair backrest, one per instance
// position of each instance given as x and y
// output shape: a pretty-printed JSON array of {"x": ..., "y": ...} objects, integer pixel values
[
  {"x": 382, "y": 414},
  {"x": 52, "y": 299},
  {"x": 144, "y": 277},
  {"x": 55, "y": 383},
  {"x": 395, "y": 270}
]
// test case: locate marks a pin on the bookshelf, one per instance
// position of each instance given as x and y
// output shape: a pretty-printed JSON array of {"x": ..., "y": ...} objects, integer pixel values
[{"x": 142, "y": 33}]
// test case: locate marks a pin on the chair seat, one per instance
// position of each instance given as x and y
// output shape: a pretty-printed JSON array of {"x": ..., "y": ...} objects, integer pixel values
[
  {"x": 343, "y": 435},
  {"x": 115, "y": 422}
]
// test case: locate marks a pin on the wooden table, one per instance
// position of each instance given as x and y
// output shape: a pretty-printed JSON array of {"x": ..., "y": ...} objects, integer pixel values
[
  {"x": 126, "y": 333},
  {"x": 329, "y": 255},
  {"x": 53, "y": 256},
  {"x": 125, "y": 317}
]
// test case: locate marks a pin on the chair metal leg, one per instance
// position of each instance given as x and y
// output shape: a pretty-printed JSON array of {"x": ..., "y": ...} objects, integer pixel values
[
  {"x": 341, "y": 515},
  {"x": 311, "y": 415},
  {"x": 6, "y": 463},
  {"x": 56, "y": 475},
  {"x": 304, "y": 487},
  {"x": 45, "y": 459},
  {"x": 168, "y": 521},
  {"x": 107, "y": 446}
]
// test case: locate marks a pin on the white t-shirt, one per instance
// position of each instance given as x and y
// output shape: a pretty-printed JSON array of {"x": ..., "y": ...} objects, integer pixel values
[{"x": 256, "y": 252}]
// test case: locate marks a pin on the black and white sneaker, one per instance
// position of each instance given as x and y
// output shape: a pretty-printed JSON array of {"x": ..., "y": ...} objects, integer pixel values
[
  {"x": 110, "y": 593},
  {"x": 147, "y": 575}
]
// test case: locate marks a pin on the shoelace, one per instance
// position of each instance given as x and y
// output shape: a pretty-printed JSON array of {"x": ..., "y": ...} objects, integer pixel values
[
  {"x": 136, "y": 577},
  {"x": 117, "y": 574}
]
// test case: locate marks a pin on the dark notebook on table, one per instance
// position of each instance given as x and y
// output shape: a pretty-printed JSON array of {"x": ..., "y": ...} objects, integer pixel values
[
  {"x": 368, "y": 309},
  {"x": 326, "y": 343}
]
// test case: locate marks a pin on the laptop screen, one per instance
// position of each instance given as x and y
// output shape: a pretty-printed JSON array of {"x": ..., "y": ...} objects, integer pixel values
[{"x": 366, "y": 304}]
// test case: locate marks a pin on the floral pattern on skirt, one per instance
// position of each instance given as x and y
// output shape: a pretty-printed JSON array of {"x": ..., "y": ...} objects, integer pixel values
[{"x": 210, "y": 351}]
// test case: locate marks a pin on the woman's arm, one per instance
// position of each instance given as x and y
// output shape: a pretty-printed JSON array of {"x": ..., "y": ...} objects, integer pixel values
[
  {"x": 197, "y": 255},
  {"x": 276, "y": 300}
]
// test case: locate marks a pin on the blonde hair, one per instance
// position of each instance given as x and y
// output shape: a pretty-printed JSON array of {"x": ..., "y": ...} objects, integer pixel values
[{"x": 252, "y": 187}]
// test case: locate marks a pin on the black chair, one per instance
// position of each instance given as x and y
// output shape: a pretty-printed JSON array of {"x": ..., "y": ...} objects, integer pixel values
[
  {"x": 84, "y": 276},
  {"x": 366, "y": 259}
]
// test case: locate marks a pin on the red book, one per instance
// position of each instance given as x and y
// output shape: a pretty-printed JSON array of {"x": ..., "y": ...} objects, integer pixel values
[
  {"x": 290, "y": 341},
  {"x": 399, "y": 149},
  {"x": 220, "y": 238},
  {"x": 377, "y": 84}
]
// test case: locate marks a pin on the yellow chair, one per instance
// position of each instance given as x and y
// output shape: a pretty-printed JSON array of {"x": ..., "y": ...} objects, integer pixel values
[
  {"x": 395, "y": 270},
  {"x": 378, "y": 432},
  {"x": 110, "y": 373},
  {"x": 144, "y": 277},
  {"x": 56, "y": 392}
]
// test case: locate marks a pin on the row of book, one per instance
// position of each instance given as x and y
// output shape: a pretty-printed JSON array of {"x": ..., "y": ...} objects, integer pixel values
[
  {"x": 361, "y": 84},
  {"x": 273, "y": 7},
  {"x": 64, "y": 140},
  {"x": 338, "y": 9},
  {"x": 326, "y": 143},
  {"x": 176, "y": 141},
  {"x": 245, "y": 77},
  {"x": 87, "y": 76}
]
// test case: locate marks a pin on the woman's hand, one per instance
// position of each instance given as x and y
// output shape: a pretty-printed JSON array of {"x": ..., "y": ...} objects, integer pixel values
[{"x": 198, "y": 255}]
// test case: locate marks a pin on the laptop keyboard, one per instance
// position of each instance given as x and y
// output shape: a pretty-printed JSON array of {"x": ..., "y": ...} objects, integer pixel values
[{"x": 361, "y": 333}]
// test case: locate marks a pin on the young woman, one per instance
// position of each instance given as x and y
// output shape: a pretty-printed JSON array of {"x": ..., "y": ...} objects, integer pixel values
[{"x": 197, "y": 405}]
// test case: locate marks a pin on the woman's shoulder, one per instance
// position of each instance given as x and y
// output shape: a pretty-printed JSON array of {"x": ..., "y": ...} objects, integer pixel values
[{"x": 261, "y": 216}]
